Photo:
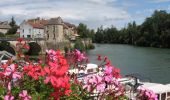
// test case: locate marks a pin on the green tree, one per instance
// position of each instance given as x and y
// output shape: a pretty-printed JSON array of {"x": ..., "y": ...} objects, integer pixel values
[
  {"x": 84, "y": 32},
  {"x": 79, "y": 45},
  {"x": 154, "y": 31},
  {"x": 13, "y": 28},
  {"x": 1, "y": 34}
]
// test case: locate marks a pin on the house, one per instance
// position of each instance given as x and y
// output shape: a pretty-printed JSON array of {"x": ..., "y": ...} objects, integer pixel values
[
  {"x": 4, "y": 27},
  {"x": 33, "y": 28},
  {"x": 59, "y": 33},
  {"x": 58, "y": 30},
  {"x": 52, "y": 29}
]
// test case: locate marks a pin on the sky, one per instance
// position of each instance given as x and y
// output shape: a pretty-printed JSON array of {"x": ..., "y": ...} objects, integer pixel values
[{"x": 93, "y": 13}]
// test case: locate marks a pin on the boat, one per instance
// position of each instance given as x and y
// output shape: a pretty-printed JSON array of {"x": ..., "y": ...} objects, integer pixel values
[
  {"x": 4, "y": 56},
  {"x": 131, "y": 82}
]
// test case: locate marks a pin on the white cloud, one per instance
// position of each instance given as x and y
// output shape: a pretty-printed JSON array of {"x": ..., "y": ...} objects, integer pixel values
[
  {"x": 100, "y": 1},
  {"x": 158, "y": 1},
  {"x": 169, "y": 7},
  {"x": 92, "y": 12}
]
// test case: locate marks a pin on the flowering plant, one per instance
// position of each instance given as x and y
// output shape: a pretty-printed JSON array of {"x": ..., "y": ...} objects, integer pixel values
[
  {"x": 145, "y": 94},
  {"x": 24, "y": 79}
]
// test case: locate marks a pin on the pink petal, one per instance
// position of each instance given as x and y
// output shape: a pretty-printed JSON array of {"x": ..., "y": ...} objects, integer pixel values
[
  {"x": 24, "y": 93},
  {"x": 6, "y": 97},
  {"x": 9, "y": 86},
  {"x": 46, "y": 80}
]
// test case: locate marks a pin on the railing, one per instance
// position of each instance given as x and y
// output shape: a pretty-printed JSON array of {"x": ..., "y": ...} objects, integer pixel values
[
  {"x": 7, "y": 54},
  {"x": 27, "y": 39}
]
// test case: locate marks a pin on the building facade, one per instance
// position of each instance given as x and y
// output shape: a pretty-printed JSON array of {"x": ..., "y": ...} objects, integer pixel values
[
  {"x": 59, "y": 33},
  {"x": 54, "y": 30},
  {"x": 33, "y": 28},
  {"x": 4, "y": 27}
]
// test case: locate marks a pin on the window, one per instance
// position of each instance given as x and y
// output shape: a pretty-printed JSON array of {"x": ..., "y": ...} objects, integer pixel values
[
  {"x": 54, "y": 29},
  {"x": 28, "y": 36},
  {"x": 90, "y": 70},
  {"x": 47, "y": 36},
  {"x": 23, "y": 30},
  {"x": 54, "y": 35},
  {"x": 54, "y": 32},
  {"x": 30, "y": 31}
]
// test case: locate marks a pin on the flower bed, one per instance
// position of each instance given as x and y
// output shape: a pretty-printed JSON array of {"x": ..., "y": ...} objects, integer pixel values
[{"x": 42, "y": 80}]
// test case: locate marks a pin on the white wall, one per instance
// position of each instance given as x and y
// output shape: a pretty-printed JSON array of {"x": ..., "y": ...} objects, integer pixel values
[{"x": 25, "y": 30}]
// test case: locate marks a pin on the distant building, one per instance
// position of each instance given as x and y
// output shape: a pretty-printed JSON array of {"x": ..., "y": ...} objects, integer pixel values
[
  {"x": 58, "y": 30},
  {"x": 33, "y": 28},
  {"x": 70, "y": 31},
  {"x": 52, "y": 29},
  {"x": 4, "y": 27}
]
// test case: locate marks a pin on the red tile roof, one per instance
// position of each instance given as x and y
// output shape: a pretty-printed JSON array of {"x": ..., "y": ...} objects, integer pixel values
[{"x": 37, "y": 23}]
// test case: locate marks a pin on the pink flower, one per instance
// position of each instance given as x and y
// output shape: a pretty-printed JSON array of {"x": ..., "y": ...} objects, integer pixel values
[
  {"x": 101, "y": 87},
  {"x": 9, "y": 97},
  {"x": 148, "y": 94},
  {"x": 96, "y": 81},
  {"x": 99, "y": 57},
  {"x": 11, "y": 71},
  {"x": 108, "y": 78},
  {"x": 9, "y": 86},
  {"x": 116, "y": 73},
  {"x": 52, "y": 54},
  {"x": 24, "y": 95},
  {"x": 88, "y": 87},
  {"x": 26, "y": 46},
  {"x": 80, "y": 56},
  {"x": 20, "y": 39},
  {"x": 108, "y": 70}
]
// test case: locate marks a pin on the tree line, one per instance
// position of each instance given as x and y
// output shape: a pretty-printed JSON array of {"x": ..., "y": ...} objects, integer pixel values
[{"x": 153, "y": 32}]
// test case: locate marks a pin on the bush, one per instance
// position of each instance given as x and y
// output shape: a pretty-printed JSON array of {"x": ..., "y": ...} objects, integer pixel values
[
  {"x": 79, "y": 45},
  {"x": 90, "y": 46},
  {"x": 5, "y": 46},
  {"x": 1, "y": 34},
  {"x": 34, "y": 49}
]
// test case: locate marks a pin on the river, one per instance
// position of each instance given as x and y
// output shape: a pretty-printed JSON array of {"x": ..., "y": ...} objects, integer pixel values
[{"x": 153, "y": 63}]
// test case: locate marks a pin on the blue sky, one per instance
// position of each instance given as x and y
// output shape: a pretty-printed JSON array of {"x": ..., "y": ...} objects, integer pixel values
[{"x": 94, "y": 13}]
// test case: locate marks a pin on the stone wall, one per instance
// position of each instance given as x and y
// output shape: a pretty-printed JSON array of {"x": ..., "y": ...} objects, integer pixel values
[
  {"x": 87, "y": 41},
  {"x": 4, "y": 31},
  {"x": 54, "y": 33}
]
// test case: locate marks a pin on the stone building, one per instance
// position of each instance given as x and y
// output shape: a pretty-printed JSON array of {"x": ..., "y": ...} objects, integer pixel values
[
  {"x": 4, "y": 27},
  {"x": 59, "y": 33},
  {"x": 54, "y": 30}
]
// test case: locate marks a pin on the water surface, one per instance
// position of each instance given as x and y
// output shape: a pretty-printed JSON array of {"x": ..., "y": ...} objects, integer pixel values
[{"x": 149, "y": 62}]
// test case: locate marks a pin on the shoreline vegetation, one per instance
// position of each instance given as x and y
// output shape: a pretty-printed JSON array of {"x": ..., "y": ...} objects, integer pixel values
[{"x": 153, "y": 32}]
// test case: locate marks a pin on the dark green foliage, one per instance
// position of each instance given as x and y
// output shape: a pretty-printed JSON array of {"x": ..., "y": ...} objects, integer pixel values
[
  {"x": 90, "y": 46},
  {"x": 79, "y": 45},
  {"x": 84, "y": 32},
  {"x": 13, "y": 28},
  {"x": 78, "y": 93},
  {"x": 5, "y": 46},
  {"x": 34, "y": 49},
  {"x": 66, "y": 49},
  {"x": 2, "y": 35},
  {"x": 154, "y": 31}
]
